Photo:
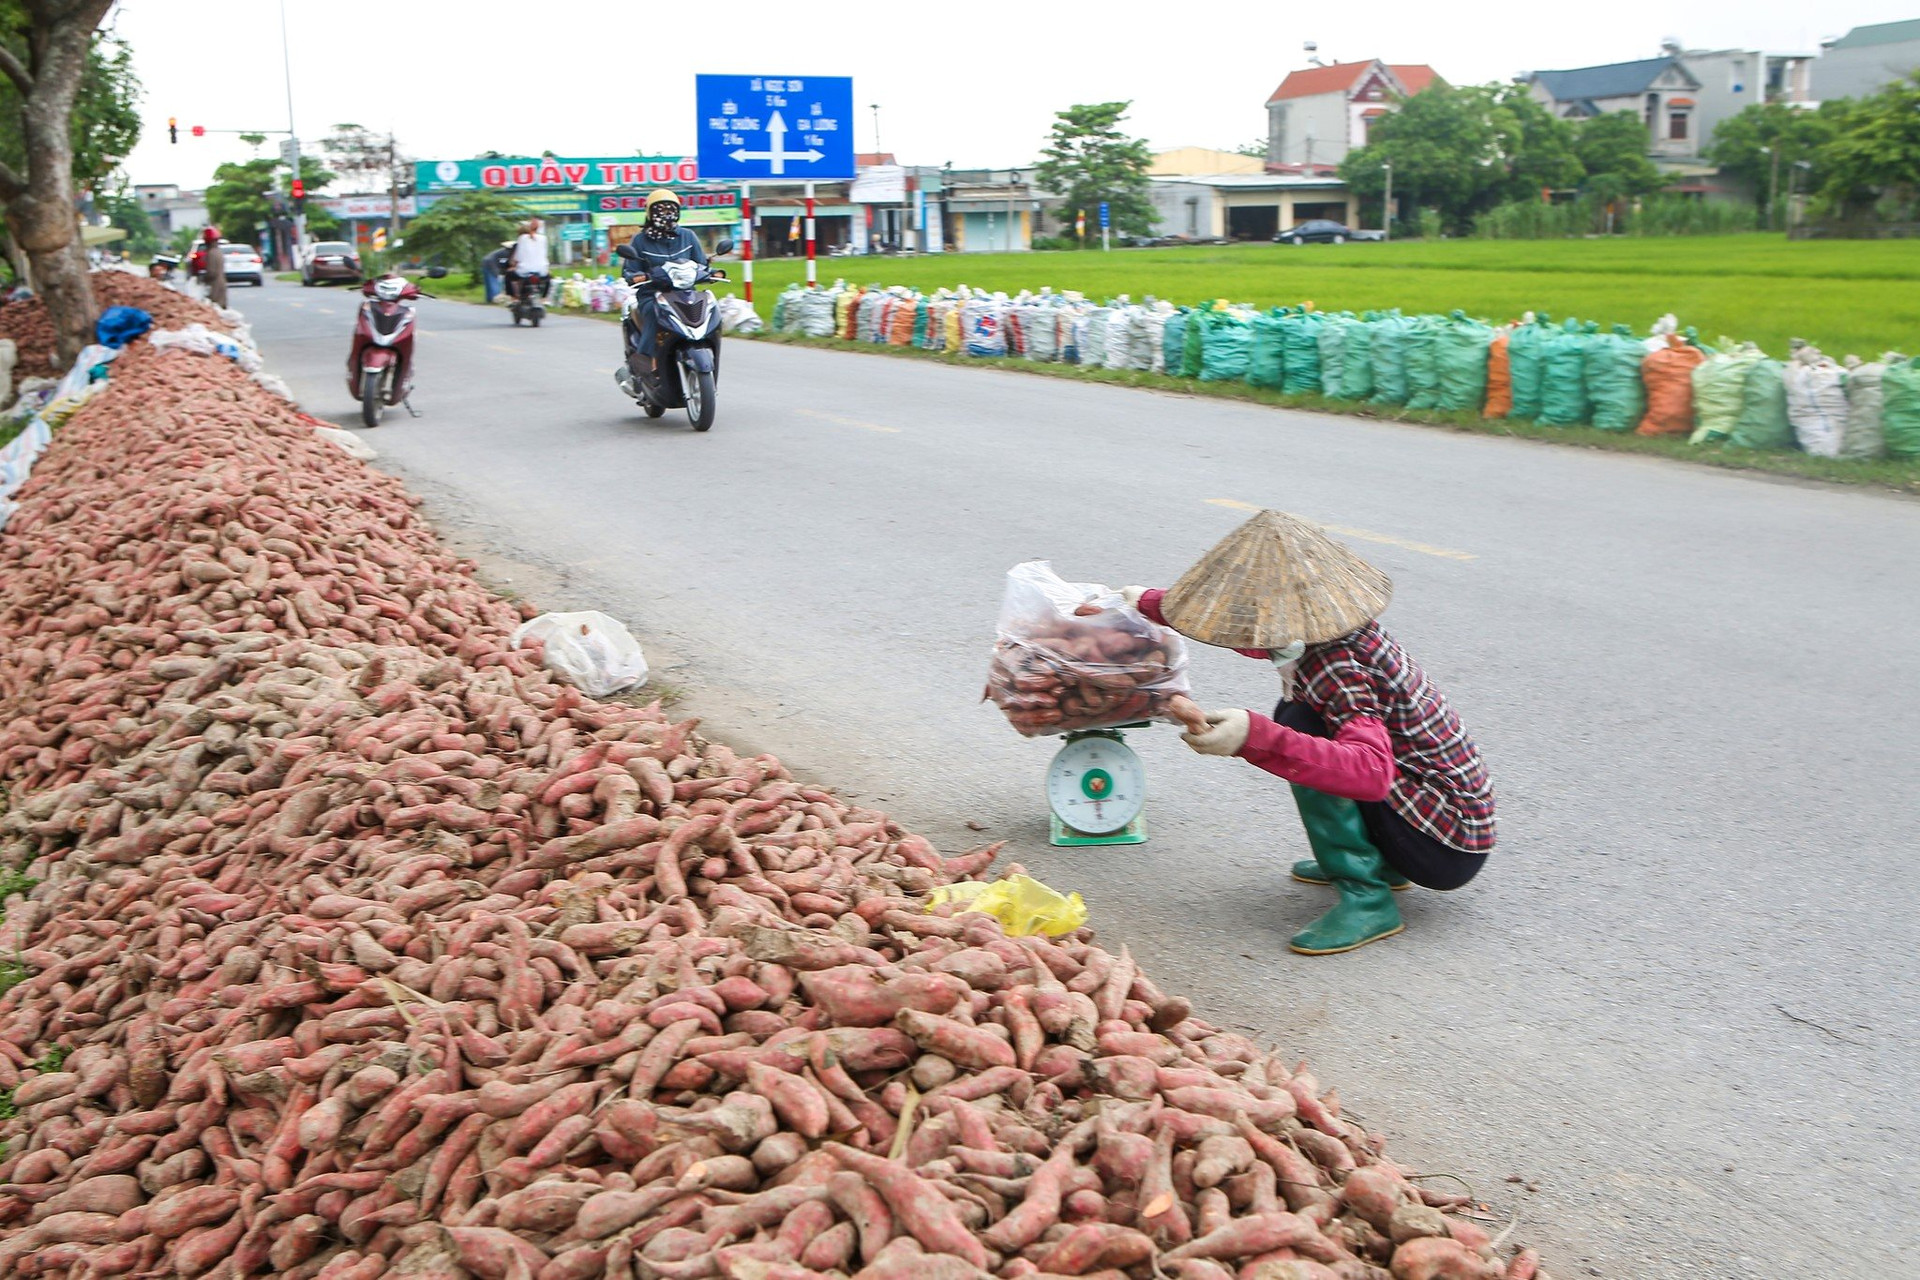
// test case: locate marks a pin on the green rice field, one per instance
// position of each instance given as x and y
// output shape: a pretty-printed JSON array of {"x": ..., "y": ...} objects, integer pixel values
[{"x": 1858, "y": 297}]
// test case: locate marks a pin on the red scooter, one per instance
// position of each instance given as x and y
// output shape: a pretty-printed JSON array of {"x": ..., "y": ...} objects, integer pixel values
[{"x": 380, "y": 366}]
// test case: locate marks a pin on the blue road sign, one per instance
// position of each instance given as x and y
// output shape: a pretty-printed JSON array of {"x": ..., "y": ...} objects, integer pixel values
[
  {"x": 792, "y": 127},
  {"x": 1103, "y": 215}
]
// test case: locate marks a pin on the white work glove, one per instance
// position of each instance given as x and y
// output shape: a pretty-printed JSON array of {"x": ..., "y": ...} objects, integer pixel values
[
  {"x": 1132, "y": 596},
  {"x": 1226, "y": 733}
]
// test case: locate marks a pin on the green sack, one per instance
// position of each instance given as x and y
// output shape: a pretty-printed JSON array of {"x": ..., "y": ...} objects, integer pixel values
[
  {"x": 1463, "y": 349},
  {"x": 1173, "y": 341},
  {"x": 1356, "y": 370},
  {"x": 1333, "y": 353},
  {"x": 1763, "y": 421},
  {"x": 1193, "y": 354},
  {"x": 920, "y": 323},
  {"x": 1900, "y": 408},
  {"x": 1225, "y": 344},
  {"x": 1719, "y": 382},
  {"x": 1613, "y": 379},
  {"x": 1301, "y": 334},
  {"x": 1266, "y": 365},
  {"x": 1423, "y": 363},
  {"x": 1389, "y": 359},
  {"x": 1526, "y": 367},
  {"x": 1563, "y": 376}
]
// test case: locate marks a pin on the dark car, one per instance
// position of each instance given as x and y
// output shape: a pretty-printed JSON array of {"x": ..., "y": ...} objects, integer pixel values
[
  {"x": 331, "y": 260},
  {"x": 1323, "y": 231}
]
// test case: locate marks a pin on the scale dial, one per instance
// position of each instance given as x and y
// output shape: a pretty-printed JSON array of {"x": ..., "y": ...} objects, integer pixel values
[{"x": 1096, "y": 785}]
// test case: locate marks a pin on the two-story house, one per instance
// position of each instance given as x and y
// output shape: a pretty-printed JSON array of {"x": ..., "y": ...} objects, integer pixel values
[
  {"x": 1866, "y": 60},
  {"x": 1659, "y": 90},
  {"x": 1319, "y": 114}
]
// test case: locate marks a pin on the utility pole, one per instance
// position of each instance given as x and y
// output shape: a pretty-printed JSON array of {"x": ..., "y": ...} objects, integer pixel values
[
  {"x": 1386, "y": 203},
  {"x": 393, "y": 191},
  {"x": 286, "y": 67}
]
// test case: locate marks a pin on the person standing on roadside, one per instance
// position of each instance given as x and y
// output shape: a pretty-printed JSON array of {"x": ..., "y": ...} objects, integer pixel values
[{"x": 1390, "y": 788}]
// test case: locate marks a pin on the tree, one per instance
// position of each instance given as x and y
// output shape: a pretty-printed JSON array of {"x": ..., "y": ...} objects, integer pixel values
[
  {"x": 45, "y": 48},
  {"x": 365, "y": 160},
  {"x": 1447, "y": 151},
  {"x": 1089, "y": 162},
  {"x": 462, "y": 229},
  {"x": 241, "y": 200},
  {"x": 1537, "y": 147},
  {"x": 1874, "y": 157},
  {"x": 1613, "y": 150},
  {"x": 1763, "y": 144},
  {"x": 124, "y": 212}
]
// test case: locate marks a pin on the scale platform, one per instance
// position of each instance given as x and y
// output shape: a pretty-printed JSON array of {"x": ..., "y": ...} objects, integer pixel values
[{"x": 1096, "y": 790}]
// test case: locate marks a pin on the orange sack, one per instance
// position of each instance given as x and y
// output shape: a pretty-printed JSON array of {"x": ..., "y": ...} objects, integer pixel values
[
  {"x": 1668, "y": 374},
  {"x": 1499, "y": 380}
]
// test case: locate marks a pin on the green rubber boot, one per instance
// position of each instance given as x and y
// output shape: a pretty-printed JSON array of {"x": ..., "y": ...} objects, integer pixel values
[
  {"x": 1358, "y": 871},
  {"x": 1309, "y": 871}
]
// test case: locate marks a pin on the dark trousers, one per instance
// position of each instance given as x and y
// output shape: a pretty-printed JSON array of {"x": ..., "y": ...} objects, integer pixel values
[{"x": 1407, "y": 849}]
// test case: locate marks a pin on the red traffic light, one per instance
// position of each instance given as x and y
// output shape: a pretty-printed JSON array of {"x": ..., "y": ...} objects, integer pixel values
[
  {"x": 299, "y": 189},
  {"x": 199, "y": 131}
]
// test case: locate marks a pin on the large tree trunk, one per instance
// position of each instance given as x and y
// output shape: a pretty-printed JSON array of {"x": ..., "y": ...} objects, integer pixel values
[{"x": 40, "y": 211}]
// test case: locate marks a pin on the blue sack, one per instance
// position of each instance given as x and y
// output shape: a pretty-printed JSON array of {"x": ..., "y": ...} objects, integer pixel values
[{"x": 118, "y": 326}]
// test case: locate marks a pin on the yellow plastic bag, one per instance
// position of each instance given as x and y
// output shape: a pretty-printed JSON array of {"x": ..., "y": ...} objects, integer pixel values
[{"x": 1021, "y": 903}]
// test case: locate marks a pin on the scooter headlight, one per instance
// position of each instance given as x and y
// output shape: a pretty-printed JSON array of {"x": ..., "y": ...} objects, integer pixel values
[{"x": 389, "y": 290}]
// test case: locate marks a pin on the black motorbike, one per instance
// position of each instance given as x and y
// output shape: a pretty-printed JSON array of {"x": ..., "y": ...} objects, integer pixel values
[
  {"x": 529, "y": 299},
  {"x": 687, "y": 336}
]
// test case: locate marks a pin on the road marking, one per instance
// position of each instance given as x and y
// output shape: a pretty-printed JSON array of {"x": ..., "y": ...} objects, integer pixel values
[
  {"x": 494, "y": 346},
  {"x": 1364, "y": 535},
  {"x": 325, "y": 311},
  {"x": 296, "y": 304},
  {"x": 839, "y": 421}
]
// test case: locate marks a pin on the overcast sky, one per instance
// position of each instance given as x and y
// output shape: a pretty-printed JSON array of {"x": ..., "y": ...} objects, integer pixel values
[{"x": 974, "y": 84}]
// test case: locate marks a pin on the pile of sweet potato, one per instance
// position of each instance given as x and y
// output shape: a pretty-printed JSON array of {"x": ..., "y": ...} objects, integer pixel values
[
  {"x": 362, "y": 947},
  {"x": 27, "y": 323},
  {"x": 1065, "y": 674}
]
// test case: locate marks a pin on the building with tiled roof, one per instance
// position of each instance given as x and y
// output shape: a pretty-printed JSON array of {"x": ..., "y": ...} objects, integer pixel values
[{"x": 1318, "y": 114}]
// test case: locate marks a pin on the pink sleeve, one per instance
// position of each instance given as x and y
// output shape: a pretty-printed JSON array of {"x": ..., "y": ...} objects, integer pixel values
[{"x": 1357, "y": 762}]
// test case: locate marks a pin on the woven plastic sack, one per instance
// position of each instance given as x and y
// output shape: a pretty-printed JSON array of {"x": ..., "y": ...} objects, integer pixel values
[
  {"x": 1864, "y": 436},
  {"x": 1763, "y": 421},
  {"x": 1356, "y": 370},
  {"x": 1423, "y": 363},
  {"x": 1173, "y": 341},
  {"x": 817, "y": 310},
  {"x": 1333, "y": 353},
  {"x": 1389, "y": 357},
  {"x": 1718, "y": 385},
  {"x": 1563, "y": 376},
  {"x": 1194, "y": 350},
  {"x": 1266, "y": 356},
  {"x": 1120, "y": 348},
  {"x": 1526, "y": 368},
  {"x": 1093, "y": 344},
  {"x": 900, "y": 323},
  {"x": 844, "y": 303},
  {"x": 1613, "y": 363},
  {"x": 1301, "y": 334},
  {"x": 1900, "y": 409},
  {"x": 1154, "y": 340},
  {"x": 1499, "y": 377},
  {"x": 1461, "y": 351},
  {"x": 785, "y": 309},
  {"x": 1143, "y": 333},
  {"x": 953, "y": 336},
  {"x": 983, "y": 327},
  {"x": 1816, "y": 401},
  {"x": 1667, "y": 375},
  {"x": 1227, "y": 346},
  {"x": 1043, "y": 334}
]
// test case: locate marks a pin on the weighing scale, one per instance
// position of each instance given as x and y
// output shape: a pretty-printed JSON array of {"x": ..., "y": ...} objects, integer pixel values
[{"x": 1096, "y": 787}]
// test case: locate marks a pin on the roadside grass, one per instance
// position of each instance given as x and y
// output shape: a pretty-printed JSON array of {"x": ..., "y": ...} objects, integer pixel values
[{"x": 1900, "y": 476}]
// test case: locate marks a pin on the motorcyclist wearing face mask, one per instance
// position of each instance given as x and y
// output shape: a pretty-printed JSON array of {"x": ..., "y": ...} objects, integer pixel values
[
  {"x": 1390, "y": 787},
  {"x": 660, "y": 241}
]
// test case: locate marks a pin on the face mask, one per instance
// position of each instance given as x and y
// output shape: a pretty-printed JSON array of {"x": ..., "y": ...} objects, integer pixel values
[
  {"x": 663, "y": 221},
  {"x": 1285, "y": 658}
]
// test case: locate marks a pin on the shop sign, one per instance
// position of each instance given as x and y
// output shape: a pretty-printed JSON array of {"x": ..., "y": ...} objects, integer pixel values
[{"x": 554, "y": 171}]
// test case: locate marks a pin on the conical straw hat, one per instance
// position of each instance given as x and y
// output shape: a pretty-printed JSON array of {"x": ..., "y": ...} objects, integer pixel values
[{"x": 1274, "y": 580}]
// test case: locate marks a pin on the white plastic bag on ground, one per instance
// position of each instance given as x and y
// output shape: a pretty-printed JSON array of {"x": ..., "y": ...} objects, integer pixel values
[
  {"x": 595, "y": 653},
  {"x": 351, "y": 443},
  {"x": 1816, "y": 401},
  {"x": 201, "y": 340},
  {"x": 80, "y": 374},
  {"x": 738, "y": 316}
]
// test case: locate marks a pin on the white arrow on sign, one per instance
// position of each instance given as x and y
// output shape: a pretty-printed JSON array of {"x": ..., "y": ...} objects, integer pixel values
[{"x": 776, "y": 155}]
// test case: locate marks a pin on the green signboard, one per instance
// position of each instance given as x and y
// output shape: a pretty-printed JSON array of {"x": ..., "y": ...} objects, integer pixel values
[
  {"x": 554, "y": 172},
  {"x": 545, "y": 204},
  {"x": 575, "y": 231}
]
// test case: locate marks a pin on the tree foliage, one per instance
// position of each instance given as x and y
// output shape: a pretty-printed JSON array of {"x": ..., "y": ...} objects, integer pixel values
[
  {"x": 241, "y": 200},
  {"x": 1613, "y": 151},
  {"x": 1874, "y": 157},
  {"x": 1088, "y": 162},
  {"x": 124, "y": 211},
  {"x": 106, "y": 108},
  {"x": 1741, "y": 144},
  {"x": 366, "y": 160},
  {"x": 461, "y": 229}
]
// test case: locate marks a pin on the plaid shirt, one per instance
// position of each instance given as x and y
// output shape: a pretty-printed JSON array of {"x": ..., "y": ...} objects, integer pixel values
[{"x": 1442, "y": 786}]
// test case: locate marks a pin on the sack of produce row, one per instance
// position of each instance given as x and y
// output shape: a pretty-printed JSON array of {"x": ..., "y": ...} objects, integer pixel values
[{"x": 1567, "y": 373}]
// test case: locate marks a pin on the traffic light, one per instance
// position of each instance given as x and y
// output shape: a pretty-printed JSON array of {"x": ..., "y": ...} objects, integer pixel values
[
  {"x": 173, "y": 130},
  {"x": 199, "y": 131},
  {"x": 299, "y": 189}
]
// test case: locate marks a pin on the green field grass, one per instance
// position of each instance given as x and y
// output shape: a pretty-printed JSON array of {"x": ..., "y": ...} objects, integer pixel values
[{"x": 1860, "y": 297}]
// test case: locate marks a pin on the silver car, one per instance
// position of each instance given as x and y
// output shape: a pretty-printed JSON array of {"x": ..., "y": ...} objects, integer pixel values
[{"x": 243, "y": 264}]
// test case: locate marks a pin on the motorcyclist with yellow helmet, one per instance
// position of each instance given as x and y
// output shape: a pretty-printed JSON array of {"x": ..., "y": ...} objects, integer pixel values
[{"x": 660, "y": 241}]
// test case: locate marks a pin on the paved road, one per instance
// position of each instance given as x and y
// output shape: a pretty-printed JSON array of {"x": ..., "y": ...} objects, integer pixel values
[{"x": 1681, "y": 1002}]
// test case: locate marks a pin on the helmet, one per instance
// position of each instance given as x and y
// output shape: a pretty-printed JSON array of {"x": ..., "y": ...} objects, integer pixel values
[{"x": 662, "y": 195}]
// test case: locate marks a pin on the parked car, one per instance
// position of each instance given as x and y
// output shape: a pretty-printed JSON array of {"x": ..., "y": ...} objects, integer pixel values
[
  {"x": 1324, "y": 231},
  {"x": 331, "y": 260},
  {"x": 243, "y": 264}
]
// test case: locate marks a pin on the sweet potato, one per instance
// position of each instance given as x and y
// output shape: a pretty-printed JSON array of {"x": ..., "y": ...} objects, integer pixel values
[{"x": 1440, "y": 1258}]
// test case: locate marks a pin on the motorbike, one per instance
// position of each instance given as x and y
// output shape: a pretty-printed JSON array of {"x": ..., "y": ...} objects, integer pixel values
[
  {"x": 380, "y": 364},
  {"x": 529, "y": 300},
  {"x": 687, "y": 336}
]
